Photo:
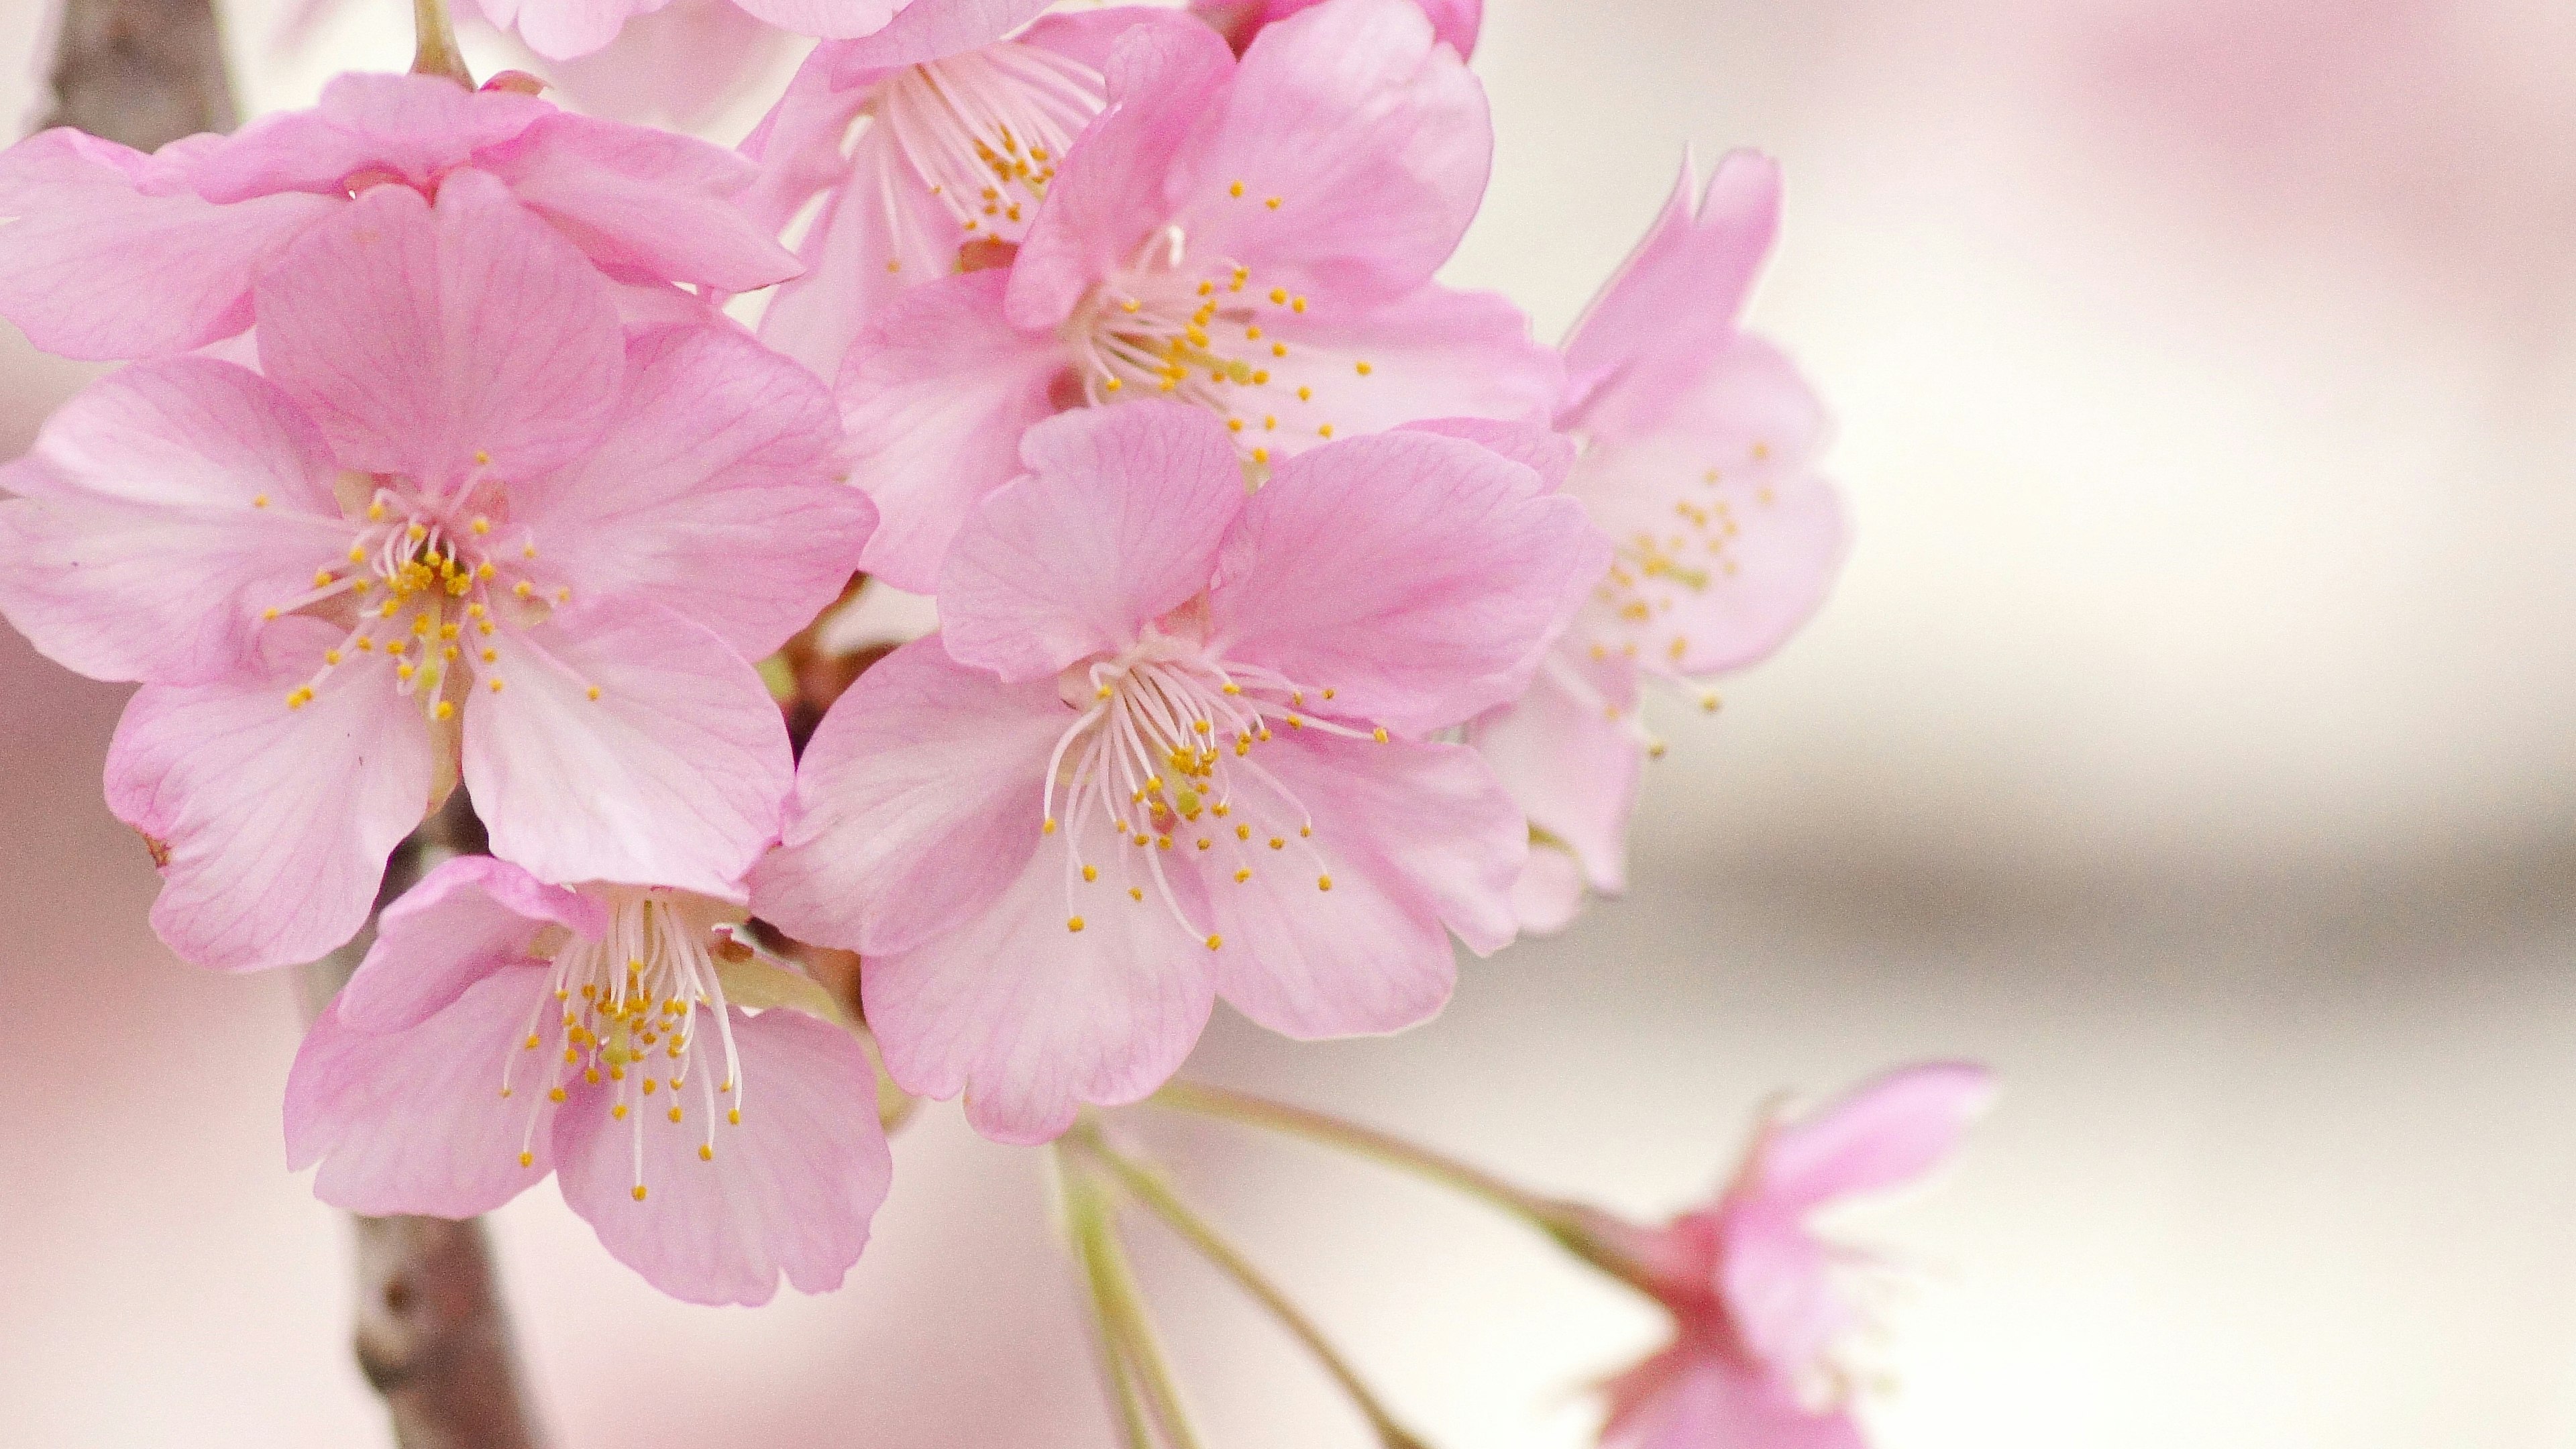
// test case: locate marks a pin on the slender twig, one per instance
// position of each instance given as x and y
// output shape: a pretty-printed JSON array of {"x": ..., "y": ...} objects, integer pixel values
[
  {"x": 432, "y": 1334},
  {"x": 1088, "y": 1222},
  {"x": 1159, "y": 1199},
  {"x": 435, "y": 51},
  {"x": 1584, "y": 1231},
  {"x": 1121, "y": 1305},
  {"x": 141, "y": 72}
]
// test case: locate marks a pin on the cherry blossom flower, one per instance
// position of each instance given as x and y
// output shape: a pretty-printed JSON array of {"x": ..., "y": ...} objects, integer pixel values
[
  {"x": 966, "y": 119},
  {"x": 563, "y": 29},
  {"x": 502, "y": 1029},
  {"x": 463, "y": 521},
  {"x": 1255, "y": 238},
  {"x": 1699, "y": 456},
  {"x": 116, "y": 254},
  {"x": 1170, "y": 746},
  {"x": 1752, "y": 1290},
  {"x": 1455, "y": 22}
]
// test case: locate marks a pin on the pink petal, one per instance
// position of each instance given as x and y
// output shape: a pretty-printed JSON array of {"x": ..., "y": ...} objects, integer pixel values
[
  {"x": 413, "y": 1121},
  {"x": 277, "y": 822},
  {"x": 1692, "y": 1396},
  {"x": 1417, "y": 576},
  {"x": 1883, "y": 1135},
  {"x": 645, "y": 202},
  {"x": 881, "y": 234},
  {"x": 1544, "y": 451},
  {"x": 1671, "y": 308},
  {"x": 1374, "y": 139},
  {"x": 789, "y": 1190},
  {"x": 1455, "y": 22},
  {"x": 1030, "y": 1019},
  {"x": 929, "y": 30},
  {"x": 917, "y": 803},
  {"x": 716, "y": 487},
  {"x": 679, "y": 66},
  {"x": 1549, "y": 894},
  {"x": 1761, "y": 535},
  {"x": 467, "y": 919},
  {"x": 413, "y": 128},
  {"x": 1112, "y": 191},
  {"x": 562, "y": 29},
  {"x": 1568, "y": 764},
  {"x": 797, "y": 145},
  {"x": 935, "y": 396},
  {"x": 618, "y": 741},
  {"x": 1777, "y": 1288},
  {"x": 425, "y": 342},
  {"x": 1431, "y": 353},
  {"x": 164, "y": 510},
  {"x": 831, "y": 19},
  {"x": 1411, "y": 836},
  {"x": 99, "y": 268},
  {"x": 1116, "y": 525}
]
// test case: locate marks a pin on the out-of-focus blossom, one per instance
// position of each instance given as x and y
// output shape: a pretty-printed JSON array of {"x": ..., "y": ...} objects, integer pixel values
[
  {"x": 115, "y": 254},
  {"x": 1700, "y": 446},
  {"x": 1239, "y": 21},
  {"x": 501, "y": 1029},
  {"x": 1170, "y": 746},
  {"x": 678, "y": 66},
  {"x": 1255, "y": 238},
  {"x": 562, "y": 29},
  {"x": 462, "y": 521},
  {"x": 1752, "y": 1290},
  {"x": 966, "y": 120}
]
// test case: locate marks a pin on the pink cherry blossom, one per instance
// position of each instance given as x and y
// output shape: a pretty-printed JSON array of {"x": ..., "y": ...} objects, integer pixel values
[
  {"x": 116, "y": 254},
  {"x": 1700, "y": 446},
  {"x": 1239, "y": 21},
  {"x": 1171, "y": 746},
  {"x": 1257, "y": 238},
  {"x": 563, "y": 29},
  {"x": 1752, "y": 1290},
  {"x": 966, "y": 119},
  {"x": 501, "y": 1029},
  {"x": 462, "y": 522}
]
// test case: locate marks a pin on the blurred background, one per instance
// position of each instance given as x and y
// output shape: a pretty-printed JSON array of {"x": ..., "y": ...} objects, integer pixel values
[{"x": 2193, "y": 738}]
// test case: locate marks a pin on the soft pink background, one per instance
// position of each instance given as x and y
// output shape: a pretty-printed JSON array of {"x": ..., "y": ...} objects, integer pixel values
[{"x": 2195, "y": 738}]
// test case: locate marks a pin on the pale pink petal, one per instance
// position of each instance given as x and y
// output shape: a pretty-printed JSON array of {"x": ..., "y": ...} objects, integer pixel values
[
  {"x": 679, "y": 66},
  {"x": 1432, "y": 353},
  {"x": 797, "y": 145},
  {"x": 928, "y": 30},
  {"x": 935, "y": 396},
  {"x": 1410, "y": 836},
  {"x": 1455, "y": 22},
  {"x": 1693, "y": 1396},
  {"x": 424, "y": 343},
  {"x": 716, "y": 488},
  {"x": 563, "y": 29},
  {"x": 1751, "y": 535},
  {"x": 470, "y": 917},
  {"x": 1116, "y": 525},
  {"x": 164, "y": 511},
  {"x": 1671, "y": 308},
  {"x": 1374, "y": 140},
  {"x": 276, "y": 821},
  {"x": 1112, "y": 192},
  {"x": 98, "y": 268},
  {"x": 1549, "y": 894},
  {"x": 1568, "y": 763},
  {"x": 1542, "y": 450},
  {"x": 1883, "y": 1135},
  {"x": 1779, "y": 1293},
  {"x": 788, "y": 1190},
  {"x": 918, "y": 801},
  {"x": 618, "y": 741},
  {"x": 1417, "y": 576},
  {"x": 1031, "y": 1019},
  {"x": 830, "y": 19},
  {"x": 368, "y": 128},
  {"x": 644, "y": 202},
  {"x": 414, "y": 1121},
  {"x": 881, "y": 234}
]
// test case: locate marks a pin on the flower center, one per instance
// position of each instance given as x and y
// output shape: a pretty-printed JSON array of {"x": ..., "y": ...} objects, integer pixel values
[
  {"x": 1207, "y": 333},
  {"x": 628, "y": 1010},
  {"x": 426, "y": 587},
  {"x": 1165, "y": 751},
  {"x": 984, "y": 130}
]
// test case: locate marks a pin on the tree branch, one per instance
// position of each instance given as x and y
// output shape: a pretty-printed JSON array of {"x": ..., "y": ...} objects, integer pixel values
[
  {"x": 141, "y": 72},
  {"x": 432, "y": 1335}
]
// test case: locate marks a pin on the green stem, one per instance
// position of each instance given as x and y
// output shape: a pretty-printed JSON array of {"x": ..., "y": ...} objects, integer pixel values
[
  {"x": 1148, "y": 1189},
  {"x": 1134, "y": 1352},
  {"x": 435, "y": 51},
  {"x": 1584, "y": 1231},
  {"x": 1087, "y": 1220}
]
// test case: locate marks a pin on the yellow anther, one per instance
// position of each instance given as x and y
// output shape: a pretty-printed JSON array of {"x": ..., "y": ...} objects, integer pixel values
[
  {"x": 618, "y": 1111},
  {"x": 1278, "y": 349},
  {"x": 591, "y": 1075},
  {"x": 482, "y": 459},
  {"x": 706, "y": 1153},
  {"x": 1305, "y": 394},
  {"x": 639, "y": 1187},
  {"x": 1074, "y": 924},
  {"x": 1113, "y": 385},
  {"x": 528, "y": 549},
  {"x": 491, "y": 656},
  {"x": 1215, "y": 941},
  {"x": 484, "y": 571},
  {"x": 1298, "y": 305},
  {"x": 675, "y": 1114},
  {"x": 1365, "y": 369},
  {"x": 1304, "y": 830},
  {"x": 1323, "y": 882},
  {"x": 649, "y": 1083},
  {"x": 1162, "y": 842},
  {"x": 259, "y": 501},
  {"x": 375, "y": 512},
  {"x": 268, "y": 613},
  {"x": 496, "y": 686},
  {"x": 1379, "y": 734},
  {"x": 299, "y": 698},
  {"x": 1204, "y": 842},
  {"x": 1136, "y": 893},
  {"x": 527, "y": 1159},
  {"x": 556, "y": 1095},
  {"x": 330, "y": 656},
  {"x": 1243, "y": 875},
  {"x": 1234, "y": 425},
  {"x": 1243, "y": 832},
  {"x": 531, "y": 1043},
  {"x": 1235, "y": 190},
  {"x": 1261, "y": 455},
  {"x": 734, "y": 1116},
  {"x": 1091, "y": 872},
  {"x": 1278, "y": 844},
  {"x": 481, "y": 525},
  {"x": 357, "y": 554},
  {"x": 594, "y": 691}
]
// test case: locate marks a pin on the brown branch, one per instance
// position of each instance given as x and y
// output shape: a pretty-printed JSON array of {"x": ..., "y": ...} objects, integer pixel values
[
  {"x": 432, "y": 1335},
  {"x": 141, "y": 72}
]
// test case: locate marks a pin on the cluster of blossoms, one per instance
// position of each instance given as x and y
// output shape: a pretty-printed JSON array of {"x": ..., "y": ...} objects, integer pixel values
[{"x": 1296, "y": 611}]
